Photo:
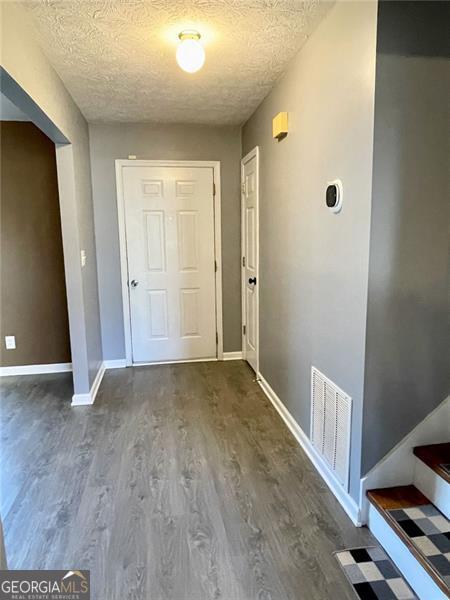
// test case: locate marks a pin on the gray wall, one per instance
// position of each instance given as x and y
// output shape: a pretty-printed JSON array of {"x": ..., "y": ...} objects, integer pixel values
[
  {"x": 314, "y": 265},
  {"x": 38, "y": 85},
  {"x": 408, "y": 346},
  {"x": 174, "y": 142},
  {"x": 33, "y": 305}
]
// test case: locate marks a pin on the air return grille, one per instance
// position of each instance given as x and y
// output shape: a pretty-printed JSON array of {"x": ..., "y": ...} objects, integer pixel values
[{"x": 331, "y": 411}]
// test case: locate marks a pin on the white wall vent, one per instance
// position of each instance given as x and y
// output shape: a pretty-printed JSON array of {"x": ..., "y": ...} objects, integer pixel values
[{"x": 331, "y": 412}]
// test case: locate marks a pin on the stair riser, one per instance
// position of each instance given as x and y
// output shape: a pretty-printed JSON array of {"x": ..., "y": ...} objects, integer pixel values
[
  {"x": 411, "y": 569},
  {"x": 436, "y": 489}
]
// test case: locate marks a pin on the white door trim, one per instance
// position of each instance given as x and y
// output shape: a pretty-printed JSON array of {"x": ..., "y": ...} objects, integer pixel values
[
  {"x": 215, "y": 166},
  {"x": 252, "y": 154}
]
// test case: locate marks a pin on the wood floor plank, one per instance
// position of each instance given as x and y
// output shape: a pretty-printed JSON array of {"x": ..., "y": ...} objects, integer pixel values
[{"x": 181, "y": 482}]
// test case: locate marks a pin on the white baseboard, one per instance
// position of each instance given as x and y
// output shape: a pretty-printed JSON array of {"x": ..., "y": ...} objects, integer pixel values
[
  {"x": 232, "y": 355},
  {"x": 407, "y": 564},
  {"x": 89, "y": 398},
  {"x": 397, "y": 467},
  {"x": 344, "y": 499},
  {"x": 35, "y": 369},
  {"x": 119, "y": 363}
]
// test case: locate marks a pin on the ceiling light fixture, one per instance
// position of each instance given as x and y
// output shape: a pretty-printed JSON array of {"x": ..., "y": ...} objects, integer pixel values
[{"x": 190, "y": 53}]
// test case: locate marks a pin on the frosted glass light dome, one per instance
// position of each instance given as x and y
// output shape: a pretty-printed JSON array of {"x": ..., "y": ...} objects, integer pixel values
[{"x": 190, "y": 53}]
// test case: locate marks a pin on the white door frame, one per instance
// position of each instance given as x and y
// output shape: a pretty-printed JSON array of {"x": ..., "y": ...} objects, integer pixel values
[
  {"x": 215, "y": 166},
  {"x": 252, "y": 154}
]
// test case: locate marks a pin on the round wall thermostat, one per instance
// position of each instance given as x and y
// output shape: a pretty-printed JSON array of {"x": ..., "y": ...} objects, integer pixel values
[{"x": 334, "y": 195}]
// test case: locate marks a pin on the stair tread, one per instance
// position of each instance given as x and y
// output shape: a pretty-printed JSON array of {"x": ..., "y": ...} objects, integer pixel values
[
  {"x": 389, "y": 502},
  {"x": 404, "y": 496},
  {"x": 435, "y": 456}
]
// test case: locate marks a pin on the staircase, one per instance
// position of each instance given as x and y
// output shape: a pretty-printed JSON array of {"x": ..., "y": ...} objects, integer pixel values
[{"x": 412, "y": 523}]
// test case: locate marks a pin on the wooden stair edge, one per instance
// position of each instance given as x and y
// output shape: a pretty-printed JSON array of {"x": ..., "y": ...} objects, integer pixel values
[
  {"x": 433, "y": 456},
  {"x": 374, "y": 498}
]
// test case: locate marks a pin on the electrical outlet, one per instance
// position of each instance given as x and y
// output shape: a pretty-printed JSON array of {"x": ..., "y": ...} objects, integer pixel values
[{"x": 10, "y": 342}]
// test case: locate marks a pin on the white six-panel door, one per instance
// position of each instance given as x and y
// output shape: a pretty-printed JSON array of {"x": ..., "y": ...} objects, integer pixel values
[
  {"x": 250, "y": 296},
  {"x": 169, "y": 225}
]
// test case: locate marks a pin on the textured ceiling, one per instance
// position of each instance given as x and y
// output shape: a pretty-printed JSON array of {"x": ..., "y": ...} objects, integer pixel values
[{"x": 117, "y": 57}]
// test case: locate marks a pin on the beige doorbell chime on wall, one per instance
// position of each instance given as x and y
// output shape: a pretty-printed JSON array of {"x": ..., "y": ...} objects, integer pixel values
[{"x": 280, "y": 126}]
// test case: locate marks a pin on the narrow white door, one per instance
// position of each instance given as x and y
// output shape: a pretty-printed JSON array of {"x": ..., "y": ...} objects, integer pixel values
[
  {"x": 169, "y": 223},
  {"x": 250, "y": 220}
]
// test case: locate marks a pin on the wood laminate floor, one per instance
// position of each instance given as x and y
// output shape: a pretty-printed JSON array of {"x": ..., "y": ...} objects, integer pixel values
[{"x": 180, "y": 483}]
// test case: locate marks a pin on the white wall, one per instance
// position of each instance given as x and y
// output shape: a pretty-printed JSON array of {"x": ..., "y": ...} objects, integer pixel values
[
  {"x": 314, "y": 265},
  {"x": 24, "y": 61}
]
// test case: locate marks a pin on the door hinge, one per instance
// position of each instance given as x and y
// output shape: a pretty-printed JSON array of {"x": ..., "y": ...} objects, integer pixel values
[
  {"x": 243, "y": 261},
  {"x": 217, "y": 338},
  {"x": 244, "y": 329},
  {"x": 243, "y": 187},
  {"x": 214, "y": 189},
  {"x": 215, "y": 266}
]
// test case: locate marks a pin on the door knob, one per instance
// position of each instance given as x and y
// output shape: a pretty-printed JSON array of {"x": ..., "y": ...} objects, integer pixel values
[
  {"x": 134, "y": 283},
  {"x": 252, "y": 280}
]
